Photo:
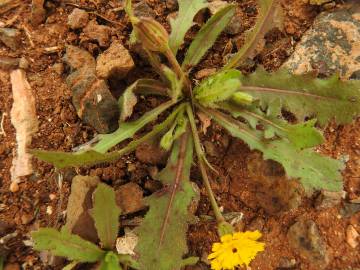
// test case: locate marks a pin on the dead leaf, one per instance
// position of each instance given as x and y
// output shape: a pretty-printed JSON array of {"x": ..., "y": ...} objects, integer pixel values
[
  {"x": 23, "y": 118},
  {"x": 205, "y": 121},
  {"x": 127, "y": 243}
]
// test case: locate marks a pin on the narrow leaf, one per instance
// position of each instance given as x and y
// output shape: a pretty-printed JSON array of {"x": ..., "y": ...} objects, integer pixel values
[
  {"x": 218, "y": 87},
  {"x": 184, "y": 21},
  {"x": 106, "y": 215},
  {"x": 266, "y": 15},
  {"x": 302, "y": 135},
  {"x": 176, "y": 130},
  {"x": 70, "y": 266},
  {"x": 162, "y": 234},
  {"x": 306, "y": 96},
  {"x": 66, "y": 245},
  {"x": 128, "y": 129},
  {"x": 313, "y": 170},
  {"x": 128, "y": 99},
  {"x": 91, "y": 157},
  {"x": 207, "y": 36},
  {"x": 110, "y": 262}
]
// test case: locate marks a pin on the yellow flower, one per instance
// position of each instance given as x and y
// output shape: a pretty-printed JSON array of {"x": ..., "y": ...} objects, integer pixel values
[{"x": 235, "y": 250}]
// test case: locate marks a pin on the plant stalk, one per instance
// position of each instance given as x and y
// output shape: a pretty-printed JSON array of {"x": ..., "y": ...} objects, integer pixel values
[{"x": 200, "y": 155}]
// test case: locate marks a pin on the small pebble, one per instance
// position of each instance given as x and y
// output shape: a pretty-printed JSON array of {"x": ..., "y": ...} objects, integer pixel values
[
  {"x": 14, "y": 187},
  {"x": 52, "y": 196},
  {"x": 352, "y": 236},
  {"x": 49, "y": 210}
]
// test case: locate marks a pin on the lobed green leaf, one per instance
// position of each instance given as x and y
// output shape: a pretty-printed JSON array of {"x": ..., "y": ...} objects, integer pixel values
[
  {"x": 162, "y": 233},
  {"x": 106, "y": 215},
  {"x": 306, "y": 96},
  {"x": 66, "y": 245},
  {"x": 313, "y": 170},
  {"x": 90, "y": 157}
]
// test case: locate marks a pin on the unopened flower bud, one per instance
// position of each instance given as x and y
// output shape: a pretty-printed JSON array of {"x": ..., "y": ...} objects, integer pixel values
[{"x": 152, "y": 35}]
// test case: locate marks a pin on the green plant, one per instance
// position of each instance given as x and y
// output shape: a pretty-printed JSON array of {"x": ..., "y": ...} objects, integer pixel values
[
  {"x": 249, "y": 107},
  {"x": 106, "y": 218}
]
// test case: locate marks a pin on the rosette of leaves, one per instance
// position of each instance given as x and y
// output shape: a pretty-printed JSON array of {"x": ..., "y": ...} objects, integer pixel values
[
  {"x": 249, "y": 107},
  {"x": 74, "y": 248}
]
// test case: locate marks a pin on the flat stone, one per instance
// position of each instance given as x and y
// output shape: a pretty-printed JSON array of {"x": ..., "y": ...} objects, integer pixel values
[
  {"x": 142, "y": 9},
  {"x": 100, "y": 33},
  {"x": 305, "y": 238},
  {"x": 129, "y": 198},
  {"x": 327, "y": 199},
  {"x": 78, "y": 58},
  {"x": 331, "y": 46},
  {"x": 10, "y": 37},
  {"x": 78, "y": 219},
  {"x": 38, "y": 13},
  {"x": 78, "y": 18},
  {"x": 116, "y": 61}
]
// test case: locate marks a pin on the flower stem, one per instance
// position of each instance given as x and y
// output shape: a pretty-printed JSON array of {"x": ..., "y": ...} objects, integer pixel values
[{"x": 200, "y": 155}]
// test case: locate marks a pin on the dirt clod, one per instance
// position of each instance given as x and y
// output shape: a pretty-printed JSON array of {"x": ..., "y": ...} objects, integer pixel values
[
  {"x": 129, "y": 198},
  {"x": 78, "y": 19},
  {"x": 99, "y": 33},
  {"x": 151, "y": 153}
]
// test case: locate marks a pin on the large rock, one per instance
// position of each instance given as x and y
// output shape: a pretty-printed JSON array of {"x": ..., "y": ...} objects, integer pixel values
[
  {"x": 78, "y": 219},
  {"x": 115, "y": 61},
  {"x": 91, "y": 96},
  {"x": 305, "y": 238},
  {"x": 330, "y": 46}
]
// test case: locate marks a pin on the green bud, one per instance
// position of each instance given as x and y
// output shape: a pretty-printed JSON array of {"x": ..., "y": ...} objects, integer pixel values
[
  {"x": 242, "y": 98},
  {"x": 225, "y": 228},
  {"x": 152, "y": 34}
]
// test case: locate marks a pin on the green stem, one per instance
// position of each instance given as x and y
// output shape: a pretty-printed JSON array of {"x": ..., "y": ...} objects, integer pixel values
[
  {"x": 179, "y": 72},
  {"x": 200, "y": 155}
]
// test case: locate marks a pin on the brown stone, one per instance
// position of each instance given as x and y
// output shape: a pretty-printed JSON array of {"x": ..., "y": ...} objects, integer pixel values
[
  {"x": 129, "y": 198},
  {"x": 78, "y": 19},
  {"x": 100, "y": 33},
  {"x": 115, "y": 61}
]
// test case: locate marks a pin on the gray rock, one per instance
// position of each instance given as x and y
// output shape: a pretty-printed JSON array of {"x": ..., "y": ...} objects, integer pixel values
[
  {"x": 115, "y": 61},
  {"x": 142, "y": 9},
  {"x": 78, "y": 19},
  {"x": 327, "y": 199},
  {"x": 129, "y": 198},
  {"x": 8, "y": 63},
  {"x": 100, "y": 33},
  {"x": 11, "y": 37},
  {"x": 305, "y": 238},
  {"x": 78, "y": 219},
  {"x": 330, "y": 46}
]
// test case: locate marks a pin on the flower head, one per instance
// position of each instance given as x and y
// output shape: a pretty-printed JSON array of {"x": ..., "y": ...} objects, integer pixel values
[{"x": 235, "y": 250}]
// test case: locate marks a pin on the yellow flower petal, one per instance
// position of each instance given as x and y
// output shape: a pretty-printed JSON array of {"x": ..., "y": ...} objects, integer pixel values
[{"x": 235, "y": 250}]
